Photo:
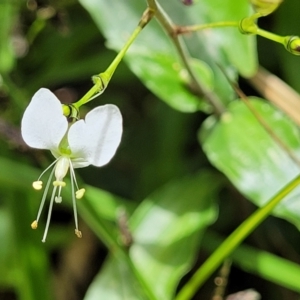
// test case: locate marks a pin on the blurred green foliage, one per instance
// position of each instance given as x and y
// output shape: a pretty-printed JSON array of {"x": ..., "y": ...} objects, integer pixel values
[{"x": 163, "y": 188}]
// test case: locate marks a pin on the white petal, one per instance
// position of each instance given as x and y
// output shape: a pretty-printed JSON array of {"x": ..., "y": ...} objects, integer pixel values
[
  {"x": 96, "y": 139},
  {"x": 43, "y": 123}
]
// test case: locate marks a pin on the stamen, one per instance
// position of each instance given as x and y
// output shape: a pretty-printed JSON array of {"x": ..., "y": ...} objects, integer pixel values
[
  {"x": 49, "y": 214},
  {"x": 73, "y": 174},
  {"x": 34, "y": 224},
  {"x": 44, "y": 196},
  {"x": 37, "y": 185},
  {"x": 58, "y": 198},
  {"x": 80, "y": 193},
  {"x": 47, "y": 169},
  {"x": 77, "y": 232}
]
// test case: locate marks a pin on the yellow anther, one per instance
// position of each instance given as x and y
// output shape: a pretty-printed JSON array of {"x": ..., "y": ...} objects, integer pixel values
[
  {"x": 37, "y": 185},
  {"x": 78, "y": 233},
  {"x": 34, "y": 224},
  {"x": 70, "y": 111},
  {"x": 59, "y": 183},
  {"x": 80, "y": 193}
]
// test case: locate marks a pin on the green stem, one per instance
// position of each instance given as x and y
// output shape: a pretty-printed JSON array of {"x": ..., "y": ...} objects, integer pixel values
[
  {"x": 87, "y": 97},
  {"x": 231, "y": 243},
  {"x": 102, "y": 80},
  {"x": 271, "y": 36}
]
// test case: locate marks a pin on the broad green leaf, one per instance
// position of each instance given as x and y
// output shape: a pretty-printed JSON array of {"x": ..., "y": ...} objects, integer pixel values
[
  {"x": 167, "y": 228},
  {"x": 100, "y": 210},
  {"x": 104, "y": 204},
  {"x": 153, "y": 58},
  {"x": 243, "y": 150},
  {"x": 168, "y": 84},
  {"x": 115, "y": 281},
  {"x": 262, "y": 263}
]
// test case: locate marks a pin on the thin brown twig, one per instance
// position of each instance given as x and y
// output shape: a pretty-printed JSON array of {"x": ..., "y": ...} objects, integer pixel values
[
  {"x": 278, "y": 92},
  {"x": 221, "y": 281}
]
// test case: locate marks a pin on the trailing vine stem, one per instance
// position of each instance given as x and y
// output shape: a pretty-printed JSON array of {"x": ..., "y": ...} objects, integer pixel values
[
  {"x": 102, "y": 80},
  {"x": 196, "y": 84}
]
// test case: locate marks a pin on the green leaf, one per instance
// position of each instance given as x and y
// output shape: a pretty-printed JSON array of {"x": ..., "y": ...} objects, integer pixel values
[
  {"x": 242, "y": 149},
  {"x": 153, "y": 58},
  {"x": 104, "y": 204},
  {"x": 115, "y": 281},
  {"x": 167, "y": 84},
  {"x": 167, "y": 228}
]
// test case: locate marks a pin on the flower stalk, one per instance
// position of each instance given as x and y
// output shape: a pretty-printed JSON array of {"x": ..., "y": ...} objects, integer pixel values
[{"x": 102, "y": 80}]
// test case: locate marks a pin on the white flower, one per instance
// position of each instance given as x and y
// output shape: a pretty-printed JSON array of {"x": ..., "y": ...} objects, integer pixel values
[{"x": 92, "y": 141}]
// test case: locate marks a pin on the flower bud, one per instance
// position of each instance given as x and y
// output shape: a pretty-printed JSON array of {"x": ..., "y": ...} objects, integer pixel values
[
  {"x": 292, "y": 44},
  {"x": 265, "y": 7}
]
